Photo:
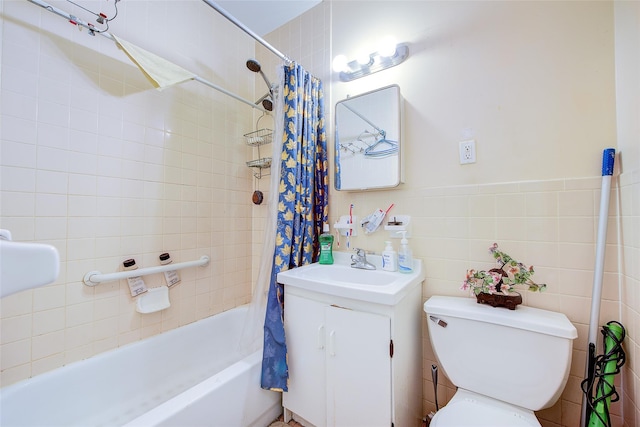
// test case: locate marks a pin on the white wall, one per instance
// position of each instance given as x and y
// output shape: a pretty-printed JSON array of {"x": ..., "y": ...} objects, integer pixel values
[
  {"x": 534, "y": 84},
  {"x": 627, "y": 36},
  {"x": 530, "y": 81}
]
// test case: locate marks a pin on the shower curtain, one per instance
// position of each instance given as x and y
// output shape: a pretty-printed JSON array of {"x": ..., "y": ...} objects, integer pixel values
[{"x": 302, "y": 206}]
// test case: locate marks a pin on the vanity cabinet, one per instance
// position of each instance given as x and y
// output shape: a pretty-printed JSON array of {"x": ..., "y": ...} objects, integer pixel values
[{"x": 353, "y": 363}]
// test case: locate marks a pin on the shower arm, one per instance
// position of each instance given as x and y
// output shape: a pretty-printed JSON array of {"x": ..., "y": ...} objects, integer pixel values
[
  {"x": 263, "y": 97},
  {"x": 76, "y": 21},
  {"x": 247, "y": 30},
  {"x": 266, "y": 80}
]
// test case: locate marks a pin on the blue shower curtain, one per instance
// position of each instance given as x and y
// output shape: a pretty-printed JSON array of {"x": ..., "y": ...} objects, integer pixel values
[{"x": 302, "y": 206}]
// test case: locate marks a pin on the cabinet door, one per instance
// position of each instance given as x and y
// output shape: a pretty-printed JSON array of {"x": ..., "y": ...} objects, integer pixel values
[
  {"x": 358, "y": 368},
  {"x": 305, "y": 331}
]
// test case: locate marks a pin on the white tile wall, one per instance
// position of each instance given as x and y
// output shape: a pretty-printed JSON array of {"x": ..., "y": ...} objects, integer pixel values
[{"x": 96, "y": 162}]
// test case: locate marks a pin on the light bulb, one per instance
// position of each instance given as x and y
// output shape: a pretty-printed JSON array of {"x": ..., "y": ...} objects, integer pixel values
[
  {"x": 363, "y": 58},
  {"x": 339, "y": 63},
  {"x": 388, "y": 46}
]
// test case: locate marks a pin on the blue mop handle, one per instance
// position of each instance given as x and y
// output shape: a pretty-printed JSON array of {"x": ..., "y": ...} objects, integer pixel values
[{"x": 608, "y": 157}]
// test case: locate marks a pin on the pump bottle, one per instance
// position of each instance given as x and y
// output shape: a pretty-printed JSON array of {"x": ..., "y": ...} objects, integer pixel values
[
  {"x": 136, "y": 283},
  {"x": 405, "y": 256},
  {"x": 389, "y": 258},
  {"x": 172, "y": 277}
]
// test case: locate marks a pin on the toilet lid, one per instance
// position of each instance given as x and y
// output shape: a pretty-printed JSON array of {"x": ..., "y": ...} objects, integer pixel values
[{"x": 470, "y": 412}]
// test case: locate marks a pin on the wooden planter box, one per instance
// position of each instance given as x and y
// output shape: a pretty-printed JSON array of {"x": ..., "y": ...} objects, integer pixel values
[{"x": 500, "y": 300}]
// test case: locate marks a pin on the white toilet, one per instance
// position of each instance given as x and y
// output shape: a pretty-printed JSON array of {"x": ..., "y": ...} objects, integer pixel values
[{"x": 505, "y": 363}]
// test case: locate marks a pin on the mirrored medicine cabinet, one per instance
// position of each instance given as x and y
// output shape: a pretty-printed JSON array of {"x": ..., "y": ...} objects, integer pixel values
[{"x": 368, "y": 146}]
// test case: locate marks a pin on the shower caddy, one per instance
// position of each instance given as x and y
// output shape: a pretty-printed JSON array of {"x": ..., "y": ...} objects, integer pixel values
[{"x": 256, "y": 139}]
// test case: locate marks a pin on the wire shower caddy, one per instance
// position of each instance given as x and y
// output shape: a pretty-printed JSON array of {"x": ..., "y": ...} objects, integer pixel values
[{"x": 256, "y": 139}]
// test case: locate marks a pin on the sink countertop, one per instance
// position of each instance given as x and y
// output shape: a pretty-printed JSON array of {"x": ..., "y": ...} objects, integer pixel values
[{"x": 342, "y": 280}]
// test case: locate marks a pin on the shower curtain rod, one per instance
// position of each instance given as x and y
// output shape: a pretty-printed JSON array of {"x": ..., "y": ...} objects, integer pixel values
[
  {"x": 247, "y": 30},
  {"x": 76, "y": 21}
]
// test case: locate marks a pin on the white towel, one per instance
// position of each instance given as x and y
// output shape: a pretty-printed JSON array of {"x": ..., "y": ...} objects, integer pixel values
[{"x": 159, "y": 71}]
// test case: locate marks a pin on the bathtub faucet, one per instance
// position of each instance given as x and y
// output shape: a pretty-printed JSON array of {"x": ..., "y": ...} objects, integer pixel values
[{"x": 360, "y": 260}]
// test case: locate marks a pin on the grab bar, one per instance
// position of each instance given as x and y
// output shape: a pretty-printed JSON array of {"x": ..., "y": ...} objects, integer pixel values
[{"x": 93, "y": 278}]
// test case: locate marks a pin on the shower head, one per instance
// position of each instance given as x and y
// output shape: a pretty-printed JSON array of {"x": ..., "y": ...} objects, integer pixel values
[
  {"x": 267, "y": 104},
  {"x": 254, "y": 66},
  {"x": 266, "y": 100}
]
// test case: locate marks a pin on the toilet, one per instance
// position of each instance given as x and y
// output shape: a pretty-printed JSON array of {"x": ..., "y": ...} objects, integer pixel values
[{"x": 505, "y": 363}]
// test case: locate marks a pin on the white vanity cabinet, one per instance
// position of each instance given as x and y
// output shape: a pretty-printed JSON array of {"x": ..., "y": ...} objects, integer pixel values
[
  {"x": 339, "y": 364},
  {"x": 351, "y": 362}
]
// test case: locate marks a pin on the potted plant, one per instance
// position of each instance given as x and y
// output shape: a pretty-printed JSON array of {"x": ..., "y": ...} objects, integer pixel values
[{"x": 497, "y": 286}]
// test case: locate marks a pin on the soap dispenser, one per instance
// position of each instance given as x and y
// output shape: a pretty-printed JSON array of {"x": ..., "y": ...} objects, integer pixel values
[
  {"x": 389, "y": 258},
  {"x": 405, "y": 256}
]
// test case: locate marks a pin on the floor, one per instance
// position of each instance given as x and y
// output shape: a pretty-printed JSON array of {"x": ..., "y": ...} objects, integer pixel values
[{"x": 280, "y": 423}]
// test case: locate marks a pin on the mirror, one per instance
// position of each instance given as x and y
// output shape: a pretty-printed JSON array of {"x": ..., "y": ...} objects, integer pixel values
[{"x": 368, "y": 144}]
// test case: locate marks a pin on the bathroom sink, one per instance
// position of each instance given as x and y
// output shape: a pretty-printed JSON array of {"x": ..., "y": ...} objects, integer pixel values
[
  {"x": 340, "y": 279},
  {"x": 26, "y": 265},
  {"x": 347, "y": 275}
]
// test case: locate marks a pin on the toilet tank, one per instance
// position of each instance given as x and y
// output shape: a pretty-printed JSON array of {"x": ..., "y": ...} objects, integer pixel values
[{"x": 519, "y": 356}]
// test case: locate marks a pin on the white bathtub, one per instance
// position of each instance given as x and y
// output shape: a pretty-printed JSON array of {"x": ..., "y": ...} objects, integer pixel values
[{"x": 191, "y": 376}]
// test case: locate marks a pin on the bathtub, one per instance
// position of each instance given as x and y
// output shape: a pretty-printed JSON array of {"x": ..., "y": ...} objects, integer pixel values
[{"x": 191, "y": 376}]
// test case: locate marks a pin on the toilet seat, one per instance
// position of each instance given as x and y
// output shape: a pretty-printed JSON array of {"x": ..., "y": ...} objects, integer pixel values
[{"x": 470, "y": 409}]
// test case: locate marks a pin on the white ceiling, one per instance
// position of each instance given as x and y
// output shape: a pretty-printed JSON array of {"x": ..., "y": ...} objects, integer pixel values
[{"x": 264, "y": 16}]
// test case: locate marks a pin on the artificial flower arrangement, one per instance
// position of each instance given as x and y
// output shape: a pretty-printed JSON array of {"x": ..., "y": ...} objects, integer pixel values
[{"x": 510, "y": 275}]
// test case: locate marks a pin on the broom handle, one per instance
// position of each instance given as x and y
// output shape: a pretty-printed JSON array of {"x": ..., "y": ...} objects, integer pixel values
[{"x": 608, "y": 157}]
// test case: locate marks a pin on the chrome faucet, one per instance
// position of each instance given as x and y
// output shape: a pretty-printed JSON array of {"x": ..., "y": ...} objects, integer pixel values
[{"x": 360, "y": 260}]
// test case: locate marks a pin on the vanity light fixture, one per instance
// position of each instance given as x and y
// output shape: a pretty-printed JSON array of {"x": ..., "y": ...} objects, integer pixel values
[{"x": 388, "y": 55}]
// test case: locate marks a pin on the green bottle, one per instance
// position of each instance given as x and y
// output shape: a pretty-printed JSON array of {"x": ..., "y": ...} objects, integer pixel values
[{"x": 326, "y": 246}]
